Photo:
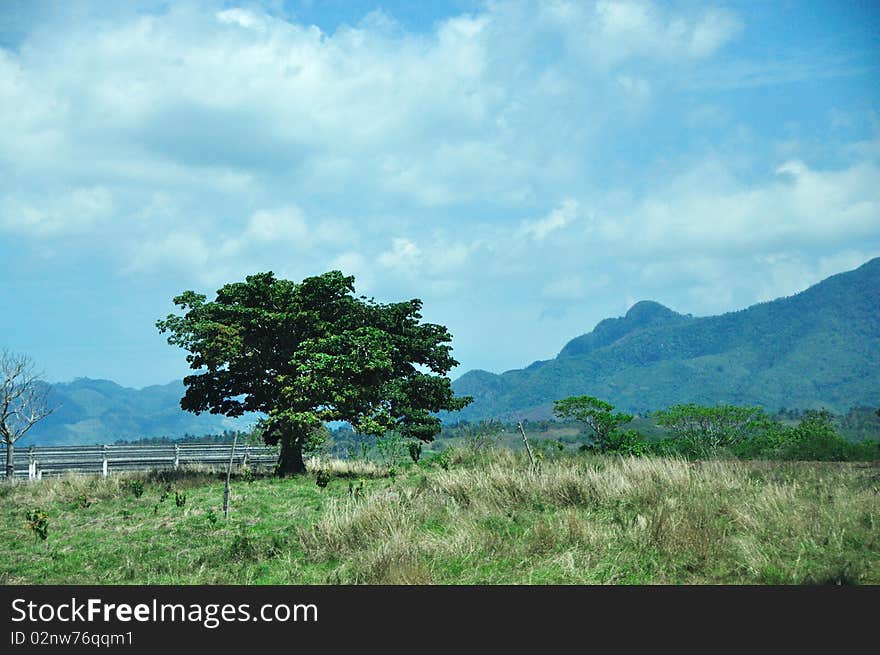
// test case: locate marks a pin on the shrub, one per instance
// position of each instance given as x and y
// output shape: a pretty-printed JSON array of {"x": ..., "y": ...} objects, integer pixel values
[
  {"x": 415, "y": 451},
  {"x": 442, "y": 459},
  {"x": 765, "y": 444},
  {"x": 38, "y": 523},
  {"x": 815, "y": 439},
  {"x": 136, "y": 487},
  {"x": 627, "y": 442},
  {"x": 322, "y": 478}
]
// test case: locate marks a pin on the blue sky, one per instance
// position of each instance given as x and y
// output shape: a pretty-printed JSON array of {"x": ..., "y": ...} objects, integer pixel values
[{"x": 526, "y": 168}]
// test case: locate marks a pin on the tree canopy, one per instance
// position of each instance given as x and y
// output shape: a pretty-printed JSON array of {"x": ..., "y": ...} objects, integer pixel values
[
  {"x": 706, "y": 429},
  {"x": 312, "y": 352},
  {"x": 599, "y": 416}
]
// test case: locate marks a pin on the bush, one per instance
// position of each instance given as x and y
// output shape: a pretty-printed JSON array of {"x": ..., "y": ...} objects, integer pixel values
[
  {"x": 764, "y": 445},
  {"x": 415, "y": 451},
  {"x": 865, "y": 451},
  {"x": 322, "y": 478},
  {"x": 627, "y": 442},
  {"x": 815, "y": 439},
  {"x": 136, "y": 487},
  {"x": 38, "y": 523}
]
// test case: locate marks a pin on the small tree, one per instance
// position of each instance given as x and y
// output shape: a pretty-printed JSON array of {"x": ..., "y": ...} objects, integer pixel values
[
  {"x": 704, "y": 430},
  {"x": 23, "y": 402},
  {"x": 599, "y": 416}
]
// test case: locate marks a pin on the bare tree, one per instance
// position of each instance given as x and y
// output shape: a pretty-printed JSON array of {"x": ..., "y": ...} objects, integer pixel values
[{"x": 23, "y": 401}]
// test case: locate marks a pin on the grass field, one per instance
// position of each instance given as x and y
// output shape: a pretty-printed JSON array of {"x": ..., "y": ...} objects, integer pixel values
[{"x": 473, "y": 518}]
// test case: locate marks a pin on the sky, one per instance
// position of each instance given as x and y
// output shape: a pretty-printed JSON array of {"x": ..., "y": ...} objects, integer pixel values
[{"x": 525, "y": 168}]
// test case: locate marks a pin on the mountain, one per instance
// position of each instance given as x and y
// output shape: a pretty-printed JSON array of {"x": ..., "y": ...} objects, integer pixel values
[
  {"x": 100, "y": 411},
  {"x": 818, "y": 348}
]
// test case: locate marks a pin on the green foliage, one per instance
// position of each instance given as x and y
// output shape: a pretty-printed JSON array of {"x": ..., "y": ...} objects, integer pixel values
[
  {"x": 765, "y": 444},
  {"x": 82, "y": 501},
  {"x": 317, "y": 442},
  {"x": 599, "y": 416},
  {"x": 703, "y": 431},
  {"x": 815, "y": 439},
  {"x": 38, "y": 523},
  {"x": 390, "y": 447},
  {"x": 211, "y": 517},
  {"x": 136, "y": 487},
  {"x": 443, "y": 459},
  {"x": 322, "y": 478},
  {"x": 243, "y": 547},
  {"x": 548, "y": 448},
  {"x": 312, "y": 352},
  {"x": 179, "y": 498},
  {"x": 628, "y": 442},
  {"x": 415, "y": 451}
]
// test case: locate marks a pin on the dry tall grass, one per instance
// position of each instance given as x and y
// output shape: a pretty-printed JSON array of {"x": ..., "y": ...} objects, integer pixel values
[{"x": 610, "y": 520}]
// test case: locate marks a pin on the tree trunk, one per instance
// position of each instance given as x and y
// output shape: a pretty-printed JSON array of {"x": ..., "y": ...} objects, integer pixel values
[
  {"x": 290, "y": 461},
  {"x": 10, "y": 461}
]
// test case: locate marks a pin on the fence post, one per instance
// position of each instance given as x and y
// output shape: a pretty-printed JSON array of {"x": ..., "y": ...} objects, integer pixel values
[
  {"x": 228, "y": 474},
  {"x": 526, "y": 441},
  {"x": 32, "y": 464},
  {"x": 104, "y": 466},
  {"x": 38, "y": 470},
  {"x": 176, "y": 456}
]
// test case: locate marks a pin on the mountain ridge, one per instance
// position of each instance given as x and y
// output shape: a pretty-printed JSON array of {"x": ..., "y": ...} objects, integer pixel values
[
  {"x": 810, "y": 349},
  {"x": 93, "y": 411}
]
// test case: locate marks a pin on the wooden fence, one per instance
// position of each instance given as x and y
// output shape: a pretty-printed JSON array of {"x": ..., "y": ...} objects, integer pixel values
[{"x": 37, "y": 461}]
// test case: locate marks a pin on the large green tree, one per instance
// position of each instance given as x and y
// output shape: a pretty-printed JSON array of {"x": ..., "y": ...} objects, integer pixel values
[{"x": 310, "y": 352}]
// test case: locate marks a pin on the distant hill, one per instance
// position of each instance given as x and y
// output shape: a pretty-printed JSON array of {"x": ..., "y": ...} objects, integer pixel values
[
  {"x": 818, "y": 348},
  {"x": 100, "y": 411}
]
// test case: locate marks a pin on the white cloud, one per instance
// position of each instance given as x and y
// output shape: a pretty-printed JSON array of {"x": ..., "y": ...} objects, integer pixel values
[
  {"x": 629, "y": 29},
  {"x": 528, "y": 155},
  {"x": 403, "y": 257},
  {"x": 557, "y": 219},
  {"x": 72, "y": 212},
  {"x": 241, "y": 17}
]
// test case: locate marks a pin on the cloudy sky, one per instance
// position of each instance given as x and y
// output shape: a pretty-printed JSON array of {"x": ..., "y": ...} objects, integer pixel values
[{"x": 526, "y": 168}]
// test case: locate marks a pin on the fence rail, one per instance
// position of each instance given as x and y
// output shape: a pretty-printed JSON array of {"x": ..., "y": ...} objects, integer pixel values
[{"x": 37, "y": 461}]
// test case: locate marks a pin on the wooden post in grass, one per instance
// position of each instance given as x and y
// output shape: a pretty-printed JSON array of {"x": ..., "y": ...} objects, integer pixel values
[
  {"x": 104, "y": 466},
  {"x": 176, "y": 456},
  {"x": 526, "y": 442},
  {"x": 228, "y": 474}
]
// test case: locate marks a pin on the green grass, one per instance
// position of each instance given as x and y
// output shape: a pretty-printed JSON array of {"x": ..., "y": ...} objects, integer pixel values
[{"x": 486, "y": 519}]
